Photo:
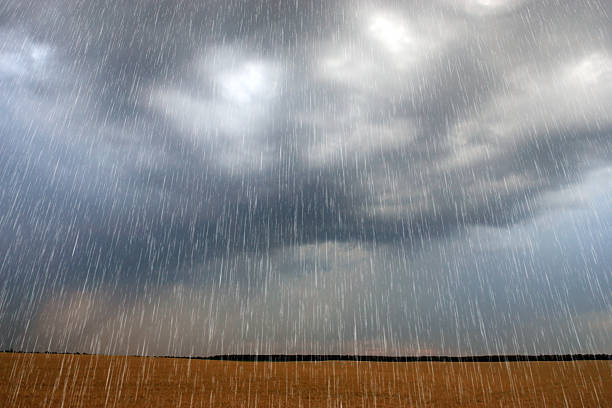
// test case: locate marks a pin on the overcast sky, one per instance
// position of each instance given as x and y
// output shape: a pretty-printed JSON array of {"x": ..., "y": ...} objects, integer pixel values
[{"x": 268, "y": 176}]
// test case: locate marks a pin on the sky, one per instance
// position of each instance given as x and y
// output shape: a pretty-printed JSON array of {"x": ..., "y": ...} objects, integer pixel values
[{"x": 183, "y": 177}]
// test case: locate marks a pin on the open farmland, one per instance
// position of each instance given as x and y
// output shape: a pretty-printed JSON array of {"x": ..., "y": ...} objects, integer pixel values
[{"x": 50, "y": 380}]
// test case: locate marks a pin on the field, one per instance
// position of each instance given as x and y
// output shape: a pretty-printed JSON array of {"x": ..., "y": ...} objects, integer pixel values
[{"x": 46, "y": 380}]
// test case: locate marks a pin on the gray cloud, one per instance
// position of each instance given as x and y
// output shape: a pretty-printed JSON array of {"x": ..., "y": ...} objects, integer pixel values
[{"x": 145, "y": 143}]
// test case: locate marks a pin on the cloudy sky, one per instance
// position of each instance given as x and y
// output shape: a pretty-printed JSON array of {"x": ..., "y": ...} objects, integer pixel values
[{"x": 268, "y": 176}]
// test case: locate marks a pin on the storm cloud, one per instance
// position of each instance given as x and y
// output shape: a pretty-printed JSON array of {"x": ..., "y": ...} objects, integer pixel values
[{"x": 305, "y": 176}]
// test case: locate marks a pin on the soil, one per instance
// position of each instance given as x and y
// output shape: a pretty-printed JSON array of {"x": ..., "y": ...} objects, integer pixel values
[{"x": 56, "y": 380}]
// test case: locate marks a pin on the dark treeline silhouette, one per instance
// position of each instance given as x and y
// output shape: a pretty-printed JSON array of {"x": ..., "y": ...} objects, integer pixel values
[
  {"x": 407, "y": 359},
  {"x": 372, "y": 358}
]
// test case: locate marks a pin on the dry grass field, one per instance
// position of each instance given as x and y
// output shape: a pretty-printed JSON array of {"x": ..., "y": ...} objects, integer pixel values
[{"x": 41, "y": 380}]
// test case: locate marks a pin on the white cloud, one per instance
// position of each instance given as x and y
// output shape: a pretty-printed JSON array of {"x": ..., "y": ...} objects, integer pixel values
[
  {"x": 24, "y": 60},
  {"x": 384, "y": 51},
  {"x": 537, "y": 105},
  {"x": 230, "y": 100},
  {"x": 487, "y": 7}
]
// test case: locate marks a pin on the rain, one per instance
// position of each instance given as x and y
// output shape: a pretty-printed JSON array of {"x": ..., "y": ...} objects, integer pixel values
[{"x": 305, "y": 177}]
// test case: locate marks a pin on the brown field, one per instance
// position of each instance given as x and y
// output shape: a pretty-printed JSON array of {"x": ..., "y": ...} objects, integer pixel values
[{"x": 42, "y": 380}]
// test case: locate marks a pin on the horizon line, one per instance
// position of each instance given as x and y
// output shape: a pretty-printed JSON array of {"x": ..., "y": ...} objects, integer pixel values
[{"x": 353, "y": 357}]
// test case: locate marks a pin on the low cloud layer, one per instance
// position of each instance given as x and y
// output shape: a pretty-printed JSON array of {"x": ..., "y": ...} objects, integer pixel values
[{"x": 397, "y": 176}]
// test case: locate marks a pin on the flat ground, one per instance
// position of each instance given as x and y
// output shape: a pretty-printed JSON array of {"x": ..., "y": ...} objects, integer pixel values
[{"x": 42, "y": 380}]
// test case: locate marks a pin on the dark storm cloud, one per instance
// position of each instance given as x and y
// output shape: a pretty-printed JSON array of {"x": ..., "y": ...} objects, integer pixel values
[
  {"x": 116, "y": 53},
  {"x": 143, "y": 141}
]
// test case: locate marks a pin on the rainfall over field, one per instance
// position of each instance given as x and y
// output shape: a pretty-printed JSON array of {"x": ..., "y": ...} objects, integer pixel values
[{"x": 396, "y": 178}]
